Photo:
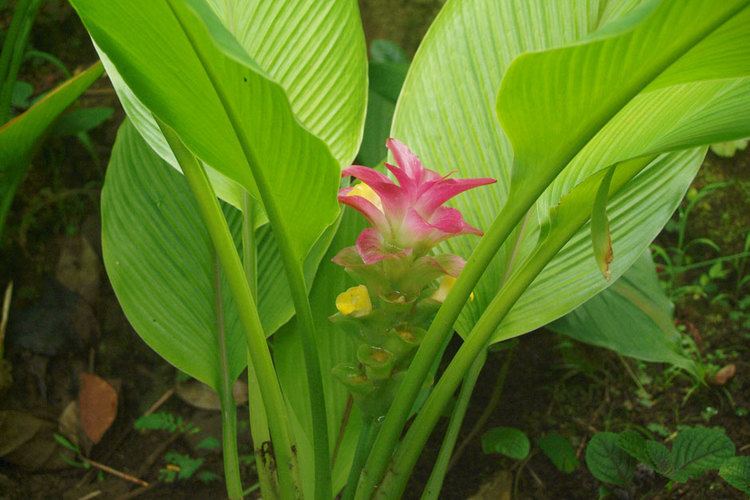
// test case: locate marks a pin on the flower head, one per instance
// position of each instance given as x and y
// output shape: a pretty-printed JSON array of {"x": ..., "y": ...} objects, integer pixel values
[{"x": 409, "y": 217}]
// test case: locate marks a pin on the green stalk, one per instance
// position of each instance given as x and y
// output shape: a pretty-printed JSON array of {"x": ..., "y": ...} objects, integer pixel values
[
  {"x": 526, "y": 194},
  {"x": 226, "y": 396},
  {"x": 364, "y": 442},
  {"x": 295, "y": 276},
  {"x": 435, "y": 482},
  {"x": 223, "y": 243},
  {"x": 441, "y": 327},
  {"x": 405, "y": 457},
  {"x": 258, "y": 418},
  {"x": 14, "y": 46},
  {"x": 408, "y": 452}
]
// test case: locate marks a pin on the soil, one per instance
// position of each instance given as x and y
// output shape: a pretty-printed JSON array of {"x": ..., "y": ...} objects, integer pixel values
[{"x": 553, "y": 384}]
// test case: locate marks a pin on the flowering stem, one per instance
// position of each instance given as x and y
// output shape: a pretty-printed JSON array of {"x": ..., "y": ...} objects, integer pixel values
[
  {"x": 512, "y": 213},
  {"x": 226, "y": 251},
  {"x": 435, "y": 482},
  {"x": 407, "y": 453}
]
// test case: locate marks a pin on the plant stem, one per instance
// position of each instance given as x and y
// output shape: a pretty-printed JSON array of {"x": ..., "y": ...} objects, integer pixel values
[
  {"x": 293, "y": 266},
  {"x": 435, "y": 482},
  {"x": 13, "y": 49},
  {"x": 223, "y": 243},
  {"x": 406, "y": 456},
  {"x": 710, "y": 262},
  {"x": 497, "y": 393},
  {"x": 571, "y": 215},
  {"x": 229, "y": 445},
  {"x": 366, "y": 436},
  {"x": 442, "y": 326},
  {"x": 258, "y": 418},
  {"x": 228, "y": 406},
  {"x": 249, "y": 248}
]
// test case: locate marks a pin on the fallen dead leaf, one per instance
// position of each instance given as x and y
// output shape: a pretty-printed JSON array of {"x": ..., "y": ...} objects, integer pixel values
[
  {"x": 28, "y": 441},
  {"x": 499, "y": 487},
  {"x": 97, "y": 406},
  {"x": 724, "y": 375}
]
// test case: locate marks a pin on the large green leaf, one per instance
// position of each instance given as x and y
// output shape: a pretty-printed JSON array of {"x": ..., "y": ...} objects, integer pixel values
[
  {"x": 20, "y": 137},
  {"x": 632, "y": 317},
  {"x": 463, "y": 133},
  {"x": 321, "y": 67},
  {"x": 160, "y": 261},
  {"x": 193, "y": 74},
  {"x": 679, "y": 70}
]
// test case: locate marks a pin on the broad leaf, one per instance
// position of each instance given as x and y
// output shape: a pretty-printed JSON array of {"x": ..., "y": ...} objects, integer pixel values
[
  {"x": 697, "y": 450},
  {"x": 507, "y": 441},
  {"x": 463, "y": 133},
  {"x": 651, "y": 453},
  {"x": 322, "y": 70},
  {"x": 560, "y": 452},
  {"x": 20, "y": 137},
  {"x": 736, "y": 471},
  {"x": 195, "y": 76},
  {"x": 677, "y": 69},
  {"x": 607, "y": 461},
  {"x": 160, "y": 261},
  {"x": 632, "y": 317}
]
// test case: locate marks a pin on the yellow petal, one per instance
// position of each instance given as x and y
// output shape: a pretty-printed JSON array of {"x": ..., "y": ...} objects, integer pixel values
[
  {"x": 364, "y": 191},
  {"x": 354, "y": 302},
  {"x": 446, "y": 284}
]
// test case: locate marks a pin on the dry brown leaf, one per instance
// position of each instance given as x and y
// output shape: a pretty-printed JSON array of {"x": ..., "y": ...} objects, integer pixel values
[
  {"x": 28, "y": 441},
  {"x": 499, "y": 487},
  {"x": 97, "y": 406},
  {"x": 724, "y": 375}
]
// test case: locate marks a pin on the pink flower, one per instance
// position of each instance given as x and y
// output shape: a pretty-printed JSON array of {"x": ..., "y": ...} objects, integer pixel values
[{"x": 408, "y": 218}]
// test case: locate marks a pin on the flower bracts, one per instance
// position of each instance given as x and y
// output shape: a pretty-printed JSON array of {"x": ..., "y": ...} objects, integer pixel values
[{"x": 402, "y": 281}]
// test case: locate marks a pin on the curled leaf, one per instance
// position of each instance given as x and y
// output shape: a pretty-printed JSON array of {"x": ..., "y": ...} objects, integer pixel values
[{"x": 601, "y": 238}]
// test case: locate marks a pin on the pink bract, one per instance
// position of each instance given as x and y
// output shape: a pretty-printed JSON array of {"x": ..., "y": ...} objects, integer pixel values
[{"x": 412, "y": 216}]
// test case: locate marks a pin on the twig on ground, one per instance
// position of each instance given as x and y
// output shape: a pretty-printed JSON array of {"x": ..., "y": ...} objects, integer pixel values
[
  {"x": 91, "y": 495},
  {"x": 109, "y": 470},
  {"x": 4, "y": 316},
  {"x": 157, "y": 404}
]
